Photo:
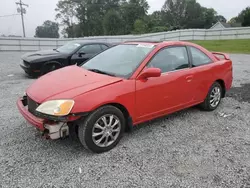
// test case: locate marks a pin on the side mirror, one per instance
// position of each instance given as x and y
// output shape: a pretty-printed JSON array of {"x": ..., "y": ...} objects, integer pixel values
[
  {"x": 80, "y": 54},
  {"x": 150, "y": 72}
]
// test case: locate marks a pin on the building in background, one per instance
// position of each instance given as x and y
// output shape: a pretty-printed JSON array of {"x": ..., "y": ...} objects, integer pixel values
[{"x": 223, "y": 25}]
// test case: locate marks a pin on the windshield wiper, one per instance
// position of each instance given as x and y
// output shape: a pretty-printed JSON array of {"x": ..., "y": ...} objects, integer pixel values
[{"x": 101, "y": 72}]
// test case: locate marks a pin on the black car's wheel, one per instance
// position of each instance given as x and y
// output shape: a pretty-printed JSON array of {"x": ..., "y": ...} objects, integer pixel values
[
  {"x": 213, "y": 98},
  {"x": 29, "y": 75},
  {"x": 49, "y": 68},
  {"x": 102, "y": 130}
]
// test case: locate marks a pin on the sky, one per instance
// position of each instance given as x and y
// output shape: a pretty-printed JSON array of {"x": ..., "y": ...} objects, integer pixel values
[{"x": 41, "y": 10}]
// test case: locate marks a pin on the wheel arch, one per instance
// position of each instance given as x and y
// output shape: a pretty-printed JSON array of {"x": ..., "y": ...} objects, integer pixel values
[
  {"x": 124, "y": 110},
  {"x": 52, "y": 62},
  {"x": 223, "y": 86}
]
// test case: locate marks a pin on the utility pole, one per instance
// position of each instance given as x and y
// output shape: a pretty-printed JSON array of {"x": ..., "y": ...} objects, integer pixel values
[{"x": 22, "y": 11}]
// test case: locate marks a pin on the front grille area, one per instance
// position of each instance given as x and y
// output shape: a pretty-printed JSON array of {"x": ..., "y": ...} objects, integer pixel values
[
  {"x": 32, "y": 105},
  {"x": 50, "y": 117}
]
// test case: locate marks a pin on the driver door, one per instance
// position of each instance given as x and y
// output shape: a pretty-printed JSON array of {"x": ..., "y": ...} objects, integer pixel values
[
  {"x": 169, "y": 92},
  {"x": 85, "y": 53}
]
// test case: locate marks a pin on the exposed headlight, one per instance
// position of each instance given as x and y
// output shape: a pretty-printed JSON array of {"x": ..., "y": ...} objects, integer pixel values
[{"x": 56, "y": 107}]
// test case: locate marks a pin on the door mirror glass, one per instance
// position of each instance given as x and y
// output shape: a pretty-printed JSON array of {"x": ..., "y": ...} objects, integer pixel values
[
  {"x": 150, "y": 72},
  {"x": 80, "y": 54}
]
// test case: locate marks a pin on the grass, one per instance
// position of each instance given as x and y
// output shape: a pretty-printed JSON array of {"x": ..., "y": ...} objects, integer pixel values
[{"x": 229, "y": 46}]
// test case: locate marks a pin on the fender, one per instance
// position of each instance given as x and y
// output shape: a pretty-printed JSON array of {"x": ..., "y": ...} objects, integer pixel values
[{"x": 120, "y": 93}]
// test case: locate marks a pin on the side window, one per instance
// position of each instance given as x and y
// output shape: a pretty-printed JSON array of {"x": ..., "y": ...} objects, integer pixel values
[
  {"x": 91, "y": 49},
  {"x": 199, "y": 58},
  {"x": 104, "y": 47},
  {"x": 170, "y": 59}
]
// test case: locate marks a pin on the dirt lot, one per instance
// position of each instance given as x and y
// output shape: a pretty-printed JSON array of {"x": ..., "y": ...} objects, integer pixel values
[{"x": 187, "y": 149}]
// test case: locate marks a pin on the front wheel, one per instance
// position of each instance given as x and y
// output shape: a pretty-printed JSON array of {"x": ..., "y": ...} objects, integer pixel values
[
  {"x": 49, "y": 68},
  {"x": 213, "y": 98},
  {"x": 102, "y": 130}
]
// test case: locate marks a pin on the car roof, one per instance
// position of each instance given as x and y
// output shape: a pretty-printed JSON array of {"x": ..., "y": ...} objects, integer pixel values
[
  {"x": 160, "y": 43},
  {"x": 147, "y": 42},
  {"x": 90, "y": 42},
  {"x": 143, "y": 42}
]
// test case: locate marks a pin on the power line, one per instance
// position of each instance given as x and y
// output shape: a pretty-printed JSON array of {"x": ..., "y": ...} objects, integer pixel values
[
  {"x": 22, "y": 11},
  {"x": 9, "y": 15}
]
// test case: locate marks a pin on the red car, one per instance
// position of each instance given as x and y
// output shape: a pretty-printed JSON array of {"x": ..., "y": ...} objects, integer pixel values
[{"x": 123, "y": 86}]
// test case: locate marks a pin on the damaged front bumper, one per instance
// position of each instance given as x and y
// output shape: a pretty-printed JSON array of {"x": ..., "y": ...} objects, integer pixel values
[{"x": 50, "y": 129}]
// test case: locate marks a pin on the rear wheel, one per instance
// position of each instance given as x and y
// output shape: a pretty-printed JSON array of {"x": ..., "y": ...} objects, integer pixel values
[
  {"x": 102, "y": 130},
  {"x": 213, "y": 98}
]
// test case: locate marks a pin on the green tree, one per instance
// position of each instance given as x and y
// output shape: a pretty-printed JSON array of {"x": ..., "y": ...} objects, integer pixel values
[
  {"x": 112, "y": 23},
  {"x": 246, "y": 21},
  {"x": 49, "y": 29},
  {"x": 194, "y": 17},
  {"x": 187, "y": 14},
  {"x": 91, "y": 15},
  {"x": 245, "y": 14},
  {"x": 140, "y": 27},
  {"x": 209, "y": 17},
  {"x": 73, "y": 31},
  {"x": 243, "y": 17},
  {"x": 221, "y": 18},
  {"x": 174, "y": 12},
  {"x": 156, "y": 19},
  {"x": 242, "y": 14},
  {"x": 66, "y": 13},
  {"x": 111, "y": 5},
  {"x": 131, "y": 11},
  {"x": 113, "y": 17},
  {"x": 154, "y": 23},
  {"x": 94, "y": 18},
  {"x": 233, "y": 20}
]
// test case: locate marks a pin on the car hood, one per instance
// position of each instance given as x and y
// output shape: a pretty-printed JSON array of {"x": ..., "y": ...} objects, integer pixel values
[
  {"x": 67, "y": 83},
  {"x": 41, "y": 55}
]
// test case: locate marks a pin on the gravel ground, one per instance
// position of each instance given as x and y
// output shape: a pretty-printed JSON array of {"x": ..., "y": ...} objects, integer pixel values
[{"x": 187, "y": 149}]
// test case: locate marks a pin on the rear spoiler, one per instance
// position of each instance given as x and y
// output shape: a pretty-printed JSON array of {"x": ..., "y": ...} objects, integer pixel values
[{"x": 226, "y": 56}]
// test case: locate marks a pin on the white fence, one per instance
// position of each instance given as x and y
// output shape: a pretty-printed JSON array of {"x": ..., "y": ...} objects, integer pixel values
[{"x": 34, "y": 44}]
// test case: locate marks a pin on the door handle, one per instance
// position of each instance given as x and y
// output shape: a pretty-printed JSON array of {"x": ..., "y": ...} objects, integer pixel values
[{"x": 189, "y": 78}]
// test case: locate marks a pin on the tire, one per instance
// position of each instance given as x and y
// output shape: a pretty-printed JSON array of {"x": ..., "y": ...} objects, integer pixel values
[
  {"x": 88, "y": 127},
  {"x": 49, "y": 68},
  {"x": 30, "y": 75},
  {"x": 208, "y": 105}
]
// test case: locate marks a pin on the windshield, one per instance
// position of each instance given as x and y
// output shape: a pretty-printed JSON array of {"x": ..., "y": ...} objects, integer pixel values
[
  {"x": 69, "y": 47},
  {"x": 121, "y": 60}
]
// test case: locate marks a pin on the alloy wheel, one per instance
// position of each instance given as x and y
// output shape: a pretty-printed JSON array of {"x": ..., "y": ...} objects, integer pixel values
[
  {"x": 215, "y": 97},
  {"x": 106, "y": 130}
]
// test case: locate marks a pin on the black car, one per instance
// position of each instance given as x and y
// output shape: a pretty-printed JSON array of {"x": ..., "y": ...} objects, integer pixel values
[{"x": 74, "y": 52}]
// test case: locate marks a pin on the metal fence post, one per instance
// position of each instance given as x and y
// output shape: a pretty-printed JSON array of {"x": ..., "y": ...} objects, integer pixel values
[{"x": 19, "y": 43}]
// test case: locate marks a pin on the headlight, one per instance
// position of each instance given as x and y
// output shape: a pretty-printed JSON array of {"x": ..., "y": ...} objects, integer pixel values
[{"x": 56, "y": 107}]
